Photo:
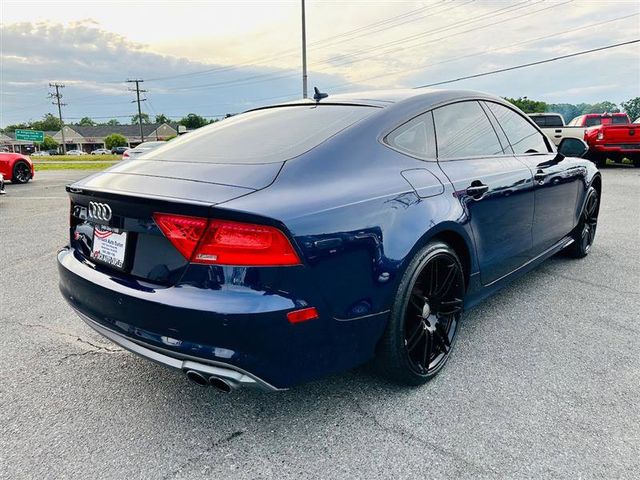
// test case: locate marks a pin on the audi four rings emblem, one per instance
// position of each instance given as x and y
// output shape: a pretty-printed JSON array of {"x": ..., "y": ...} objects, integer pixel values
[{"x": 100, "y": 211}]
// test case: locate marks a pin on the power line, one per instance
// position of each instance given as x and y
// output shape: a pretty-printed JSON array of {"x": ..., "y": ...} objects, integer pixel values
[
  {"x": 530, "y": 64},
  {"x": 501, "y": 11},
  {"x": 483, "y": 52},
  {"x": 288, "y": 52},
  {"x": 58, "y": 101}
]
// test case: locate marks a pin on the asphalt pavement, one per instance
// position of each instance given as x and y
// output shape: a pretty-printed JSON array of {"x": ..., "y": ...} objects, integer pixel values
[{"x": 544, "y": 381}]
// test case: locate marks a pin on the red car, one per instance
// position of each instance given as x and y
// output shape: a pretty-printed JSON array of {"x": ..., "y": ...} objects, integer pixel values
[{"x": 16, "y": 167}]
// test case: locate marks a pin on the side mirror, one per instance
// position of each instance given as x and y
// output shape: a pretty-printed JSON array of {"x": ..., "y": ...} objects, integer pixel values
[{"x": 572, "y": 147}]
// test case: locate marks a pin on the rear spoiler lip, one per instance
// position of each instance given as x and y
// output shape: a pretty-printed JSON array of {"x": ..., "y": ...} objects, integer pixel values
[{"x": 122, "y": 193}]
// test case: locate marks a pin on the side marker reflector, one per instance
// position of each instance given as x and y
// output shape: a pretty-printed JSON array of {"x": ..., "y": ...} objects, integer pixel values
[{"x": 298, "y": 316}]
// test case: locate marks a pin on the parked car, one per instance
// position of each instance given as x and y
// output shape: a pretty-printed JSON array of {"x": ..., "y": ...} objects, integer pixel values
[
  {"x": 552, "y": 124},
  {"x": 76, "y": 152},
  {"x": 611, "y": 136},
  {"x": 141, "y": 149},
  {"x": 119, "y": 150},
  {"x": 16, "y": 168},
  {"x": 101, "y": 151},
  {"x": 2, "y": 192},
  {"x": 595, "y": 119},
  {"x": 297, "y": 240},
  {"x": 53, "y": 151},
  {"x": 41, "y": 153}
]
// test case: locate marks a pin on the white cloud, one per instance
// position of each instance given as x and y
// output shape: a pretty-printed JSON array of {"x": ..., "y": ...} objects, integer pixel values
[{"x": 93, "y": 47}]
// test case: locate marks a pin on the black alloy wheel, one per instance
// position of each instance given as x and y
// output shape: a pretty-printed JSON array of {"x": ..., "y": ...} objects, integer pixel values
[
  {"x": 585, "y": 232},
  {"x": 425, "y": 318},
  {"x": 21, "y": 173}
]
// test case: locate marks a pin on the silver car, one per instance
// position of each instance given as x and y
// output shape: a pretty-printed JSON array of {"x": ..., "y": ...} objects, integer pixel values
[{"x": 141, "y": 149}]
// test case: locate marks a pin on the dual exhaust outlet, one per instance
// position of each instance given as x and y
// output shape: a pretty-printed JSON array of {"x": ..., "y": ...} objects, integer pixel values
[{"x": 205, "y": 380}]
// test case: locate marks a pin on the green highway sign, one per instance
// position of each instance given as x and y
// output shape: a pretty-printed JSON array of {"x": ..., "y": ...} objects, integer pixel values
[{"x": 30, "y": 135}]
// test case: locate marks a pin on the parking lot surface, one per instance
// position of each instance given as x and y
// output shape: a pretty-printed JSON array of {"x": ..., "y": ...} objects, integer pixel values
[{"x": 544, "y": 382}]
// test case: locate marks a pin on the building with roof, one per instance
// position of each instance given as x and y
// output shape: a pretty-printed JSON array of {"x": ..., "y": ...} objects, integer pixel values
[{"x": 90, "y": 137}]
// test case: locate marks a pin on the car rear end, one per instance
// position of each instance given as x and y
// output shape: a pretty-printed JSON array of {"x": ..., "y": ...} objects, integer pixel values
[
  {"x": 619, "y": 140},
  {"x": 157, "y": 264}
]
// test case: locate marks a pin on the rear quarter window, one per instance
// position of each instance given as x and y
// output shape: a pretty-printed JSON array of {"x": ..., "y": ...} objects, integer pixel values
[{"x": 262, "y": 136}]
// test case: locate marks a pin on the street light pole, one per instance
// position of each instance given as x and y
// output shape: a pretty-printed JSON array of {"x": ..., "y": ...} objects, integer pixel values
[{"x": 304, "y": 54}]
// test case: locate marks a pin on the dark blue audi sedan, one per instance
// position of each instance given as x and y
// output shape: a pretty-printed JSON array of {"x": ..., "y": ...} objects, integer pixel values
[{"x": 297, "y": 240}]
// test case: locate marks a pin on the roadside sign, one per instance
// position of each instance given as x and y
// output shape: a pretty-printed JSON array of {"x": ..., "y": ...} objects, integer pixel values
[{"x": 30, "y": 135}]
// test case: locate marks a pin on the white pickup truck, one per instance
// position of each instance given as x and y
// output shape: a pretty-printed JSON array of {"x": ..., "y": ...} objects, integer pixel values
[{"x": 552, "y": 124}]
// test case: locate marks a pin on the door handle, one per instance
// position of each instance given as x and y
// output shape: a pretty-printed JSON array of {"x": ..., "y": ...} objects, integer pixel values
[
  {"x": 540, "y": 176},
  {"x": 477, "y": 189}
]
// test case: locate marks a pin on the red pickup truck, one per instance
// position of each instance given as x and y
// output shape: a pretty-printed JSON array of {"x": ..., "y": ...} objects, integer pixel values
[{"x": 610, "y": 136}]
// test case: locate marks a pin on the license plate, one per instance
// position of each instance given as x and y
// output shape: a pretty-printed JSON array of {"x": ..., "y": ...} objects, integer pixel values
[{"x": 109, "y": 246}]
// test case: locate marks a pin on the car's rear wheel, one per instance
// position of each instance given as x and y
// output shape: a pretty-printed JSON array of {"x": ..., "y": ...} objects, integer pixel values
[
  {"x": 21, "y": 173},
  {"x": 424, "y": 320},
  {"x": 585, "y": 232}
]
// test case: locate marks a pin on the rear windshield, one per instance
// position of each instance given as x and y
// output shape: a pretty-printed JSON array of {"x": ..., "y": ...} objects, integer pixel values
[
  {"x": 547, "y": 120},
  {"x": 593, "y": 121},
  {"x": 262, "y": 136}
]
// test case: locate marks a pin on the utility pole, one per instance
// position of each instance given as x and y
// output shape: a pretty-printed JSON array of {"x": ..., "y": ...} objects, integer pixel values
[
  {"x": 58, "y": 101},
  {"x": 304, "y": 54},
  {"x": 138, "y": 92}
]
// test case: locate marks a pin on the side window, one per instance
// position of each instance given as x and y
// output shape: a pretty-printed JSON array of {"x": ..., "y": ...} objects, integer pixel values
[
  {"x": 540, "y": 120},
  {"x": 554, "y": 121},
  {"x": 415, "y": 137},
  {"x": 523, "y": 136},
  {"x": 464, "y": 130}
]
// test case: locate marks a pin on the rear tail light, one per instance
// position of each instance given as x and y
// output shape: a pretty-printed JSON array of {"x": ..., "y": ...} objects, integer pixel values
[
  {"x": 125, "y": 154},
  {"x": 183, "y": 232},
  {"x": 600, "y": 135},
  {"x": 224, "y": 242}
]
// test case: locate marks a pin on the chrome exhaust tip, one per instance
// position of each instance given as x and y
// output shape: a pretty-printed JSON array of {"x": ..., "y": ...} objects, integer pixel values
[
  {"x": 197, "y": 378},
  {"x": 221, "y": 384}
]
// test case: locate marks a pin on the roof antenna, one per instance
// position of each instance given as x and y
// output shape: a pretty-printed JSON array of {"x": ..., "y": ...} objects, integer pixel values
[{"x": 318, "y": 95}]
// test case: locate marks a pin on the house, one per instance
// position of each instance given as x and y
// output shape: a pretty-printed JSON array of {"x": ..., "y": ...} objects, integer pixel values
[{"x": 89, "y": 138}]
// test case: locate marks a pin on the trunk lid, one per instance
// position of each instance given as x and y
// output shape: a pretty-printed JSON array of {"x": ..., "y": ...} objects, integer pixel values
[
  {"x": 111, "y": 218},
  {"x": 210, "y": 183}
]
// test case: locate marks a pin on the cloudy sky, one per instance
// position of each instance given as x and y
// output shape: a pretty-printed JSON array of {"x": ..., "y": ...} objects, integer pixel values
[{"x": 214, "y": 57}]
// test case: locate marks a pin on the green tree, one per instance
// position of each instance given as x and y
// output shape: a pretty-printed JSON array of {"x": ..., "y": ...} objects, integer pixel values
[
  {"x": 87, "y": 122},
  {"x": 14, "y": 127},
  {"x": 193, "y": 121},
  {"x": 567, "y": 110},
  {"x": 527, "y": 105},
  {"x": 49, "y": 143},
  {"x": 144, "y": 116},
  {"x": 113, "y": 121},
  {"x": 115, "y": 140},
  {"x": 162, "y": 118},
  {"x": 632, "y": 107},
  {"x": 48, "y": 123},
  {"x": 602, "y": 107}
]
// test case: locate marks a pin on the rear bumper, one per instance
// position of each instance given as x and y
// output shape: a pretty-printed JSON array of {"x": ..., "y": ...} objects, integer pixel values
[
  {"x": 234, "y": 375},
  {"x": 612, "y": 148},
  {"x": 230, "y": 327}
]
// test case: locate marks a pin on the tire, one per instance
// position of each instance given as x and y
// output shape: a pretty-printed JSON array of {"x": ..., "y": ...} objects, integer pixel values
[
  {"x": 585, "y": 233},
  {"x": 425, "y": 317},
  {"x": 21, "y": 173}
]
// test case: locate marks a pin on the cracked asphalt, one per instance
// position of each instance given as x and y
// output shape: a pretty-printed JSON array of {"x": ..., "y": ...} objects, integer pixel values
[{"x": 544, "y": 381}]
